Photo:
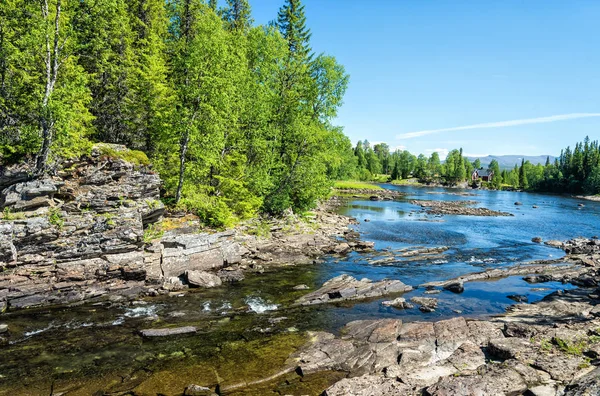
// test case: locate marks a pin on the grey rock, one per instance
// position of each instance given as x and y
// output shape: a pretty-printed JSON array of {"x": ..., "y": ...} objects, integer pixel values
[
  {"x": 3, "y": 328},
  {"x": 368, "y": 385},
  {"x": 554, "y": 243},
  {"x": 510, "y": 348},
  {"x": 482, "y": 332},
  {"x": 586, "y": 385},
  {"x": 167, "y": 331},
  {"x": 455, "y": 287},
  {"x": 496, "y": 380},
  {"x": 346, "y": 287},
  {"x": 203, "y": 279},
  {"x": 197, "y": 390},
  {"x": 467, "y": 356},
  {"x": 301, "y": 287},
  {"x": 518, "y": 298},
  {"x": 426, "y": 304},
  {"x": 229, "y": 275},
  {"x": 399, "y": 303},
  {"x": 560, "y": 367}
]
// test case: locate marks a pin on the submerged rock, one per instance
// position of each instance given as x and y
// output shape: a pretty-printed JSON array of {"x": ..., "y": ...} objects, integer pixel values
[
  {"x": 536, "y": 240},
  {"x": 346, "y": 287},
  {"x": 167, "y": 331},
  {"x": 426, "y": 304},
  {"x": 518, "y": 298},
  {"x": 197, "y": 390},
  {"x": 455, "y": 287},
  {"x": 3, "y": 328},
  {"x": 399, "y": 303}
]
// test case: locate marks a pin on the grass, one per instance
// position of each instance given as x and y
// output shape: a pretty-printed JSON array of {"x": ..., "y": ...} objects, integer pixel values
[
  {"x": 355, "y": 185},
  {"x": 132, "y": 156},
  {"x": 406, "y": 182}
]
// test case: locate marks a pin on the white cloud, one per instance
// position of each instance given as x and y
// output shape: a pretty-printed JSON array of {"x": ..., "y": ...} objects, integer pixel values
[
  {"x": 441, "y": 151},
  {"x": 501, "y": 124},
  {"x": 400, "y": 147}
]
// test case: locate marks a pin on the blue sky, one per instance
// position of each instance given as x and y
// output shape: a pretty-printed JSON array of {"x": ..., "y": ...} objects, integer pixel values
[{"x": 418, "y": 66}]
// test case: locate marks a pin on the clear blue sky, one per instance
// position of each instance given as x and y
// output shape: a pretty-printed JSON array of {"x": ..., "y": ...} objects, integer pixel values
[{"x": 427, "y": 65}]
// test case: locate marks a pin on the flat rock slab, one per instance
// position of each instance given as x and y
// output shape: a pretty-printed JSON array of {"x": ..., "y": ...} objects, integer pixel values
[
  {"x": 346, "y": 287},
  {"x": 368, "y": 385},
  {"x": 168, "y": 331}
]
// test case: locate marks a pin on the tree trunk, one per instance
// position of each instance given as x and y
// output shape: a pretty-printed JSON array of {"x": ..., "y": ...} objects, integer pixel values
[
  {"x": 185, "y": 140},
  {"x": 52, "y": 64}
]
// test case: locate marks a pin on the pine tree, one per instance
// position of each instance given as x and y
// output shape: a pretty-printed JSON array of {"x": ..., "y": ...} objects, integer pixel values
[
  {"x": 237, "y": 15},
  {"x": 292, "y": 25}
]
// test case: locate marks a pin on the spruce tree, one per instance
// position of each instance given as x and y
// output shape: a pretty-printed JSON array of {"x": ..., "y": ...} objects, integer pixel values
[
  {"x": 292, "y": 25},
  {"x": 237, "y": 15}
]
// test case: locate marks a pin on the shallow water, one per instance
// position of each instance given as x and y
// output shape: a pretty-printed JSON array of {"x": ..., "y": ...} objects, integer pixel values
[{"x": 247, "y": 330}]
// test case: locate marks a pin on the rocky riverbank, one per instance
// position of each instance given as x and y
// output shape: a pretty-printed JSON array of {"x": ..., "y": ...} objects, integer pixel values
[
  {"x": 463, "y": 208},
  {"x": 92, "y": 230}
]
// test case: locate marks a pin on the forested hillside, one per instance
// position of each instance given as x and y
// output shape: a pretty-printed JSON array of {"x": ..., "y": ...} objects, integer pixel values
[{"x": 235, "y": 117}]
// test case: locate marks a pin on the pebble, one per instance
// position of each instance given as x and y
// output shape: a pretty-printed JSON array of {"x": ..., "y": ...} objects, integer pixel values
[{"x": 3, "y": 328}]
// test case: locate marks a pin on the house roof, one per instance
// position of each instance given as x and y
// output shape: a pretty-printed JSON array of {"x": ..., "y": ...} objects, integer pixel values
[{"x": 484, "y": 172}]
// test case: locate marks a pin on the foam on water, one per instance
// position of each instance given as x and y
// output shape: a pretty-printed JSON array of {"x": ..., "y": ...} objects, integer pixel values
[{"x": 259, "y": 305}]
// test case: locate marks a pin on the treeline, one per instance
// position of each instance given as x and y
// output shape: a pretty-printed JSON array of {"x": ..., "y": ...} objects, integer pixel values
[
  {"x": 377, "y": 160},
  {"x": 236, "y": 117},
  {"x": 575, "y": 170}
]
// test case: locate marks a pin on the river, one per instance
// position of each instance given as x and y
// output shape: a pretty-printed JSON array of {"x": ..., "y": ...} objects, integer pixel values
[{"x": 247, "y": 330}]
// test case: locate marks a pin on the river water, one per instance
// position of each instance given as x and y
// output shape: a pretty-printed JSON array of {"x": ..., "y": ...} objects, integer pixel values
[{"x": 247, "y": 330}]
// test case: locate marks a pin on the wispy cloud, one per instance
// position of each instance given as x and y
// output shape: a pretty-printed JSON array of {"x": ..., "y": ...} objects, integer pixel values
[
  {"x": 501, "y": 124},
  {"x": 443, "y": 152}
]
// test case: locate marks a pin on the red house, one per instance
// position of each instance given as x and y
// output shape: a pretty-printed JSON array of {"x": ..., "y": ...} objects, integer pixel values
[{"x": 483, "y": 175}]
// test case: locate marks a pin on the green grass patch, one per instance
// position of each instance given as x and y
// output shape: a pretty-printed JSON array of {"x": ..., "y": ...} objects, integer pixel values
[
  {"x": 132, "y": 156},
  {"x": 406, "y": 182},
  {"x": 355, "y": 185}
]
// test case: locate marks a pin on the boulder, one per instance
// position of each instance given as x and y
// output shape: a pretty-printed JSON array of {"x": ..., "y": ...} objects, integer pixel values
[
  {"x": 455, "y": 287},
  {"x": 399, "y": 303},
  {"x": 537, "y": 240},
  {"x": 554, "y": 243},
  {"x": 202, "y": 279},
  {"x": 346, "y": 287},
  {"x": 426, "y": 304},
  {"x": 231, "y": 275}
]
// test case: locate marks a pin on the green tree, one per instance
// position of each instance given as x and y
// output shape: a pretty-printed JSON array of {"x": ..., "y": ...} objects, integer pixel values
[
  {"x": 237, "y": 15},
  {"x": 523, "y": 183}
]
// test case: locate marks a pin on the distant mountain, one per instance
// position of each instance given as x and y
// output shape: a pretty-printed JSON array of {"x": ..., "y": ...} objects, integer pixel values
[{"x": 509, "y": 161}]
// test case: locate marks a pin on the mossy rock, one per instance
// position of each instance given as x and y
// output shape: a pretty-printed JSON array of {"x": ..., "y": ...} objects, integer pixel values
[{"x": 116, "y": 151}]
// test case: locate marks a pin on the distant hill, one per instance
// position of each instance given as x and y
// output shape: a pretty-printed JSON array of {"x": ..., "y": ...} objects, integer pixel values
[{"x": 509, "y": 161}]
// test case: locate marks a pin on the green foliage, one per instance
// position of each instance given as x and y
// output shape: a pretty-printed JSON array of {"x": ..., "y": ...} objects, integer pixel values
[
  {"x": 55, "y": 218},
  {"x": 8, "y": 215},
  {"x": 152, "y": 233},
  {"x": 355, "y": 185},
  {"x": 572, "y": 348},
  {"x": 133, "y": 156}
]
